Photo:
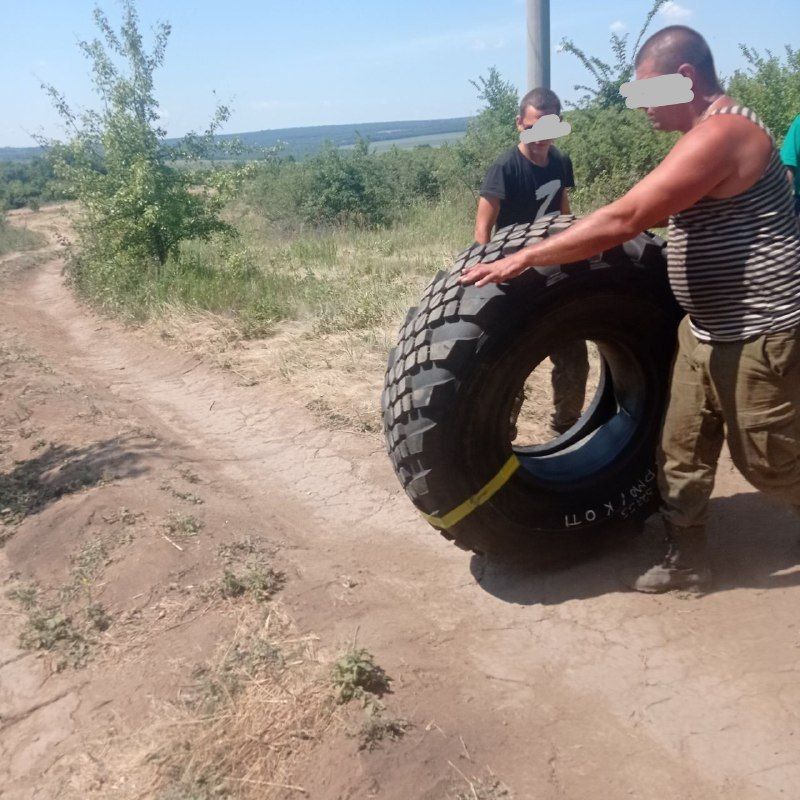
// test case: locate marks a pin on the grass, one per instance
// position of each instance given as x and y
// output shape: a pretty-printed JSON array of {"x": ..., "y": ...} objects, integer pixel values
[
  {"x": 50, "y": 628},
  {"x": 335, "y": 279},
  {"x": 377, "y": 729},
  {"x": 489, "y": 789},
  {"x": 189, "y": 497},
  {"x": 253, "y": 712},
  {"x": 247, "y": 572},
  {"x": 183, "y": 525},
  {"x": 13, "y": 238}
]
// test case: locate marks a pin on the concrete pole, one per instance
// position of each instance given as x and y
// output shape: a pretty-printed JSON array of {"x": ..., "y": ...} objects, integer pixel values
[{"x": 538, "y": 43}]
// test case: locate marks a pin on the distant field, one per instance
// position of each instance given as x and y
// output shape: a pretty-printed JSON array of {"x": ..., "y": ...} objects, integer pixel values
[
  {"x": 303, "y": 142},
  {"x": 432, "y": 139}
]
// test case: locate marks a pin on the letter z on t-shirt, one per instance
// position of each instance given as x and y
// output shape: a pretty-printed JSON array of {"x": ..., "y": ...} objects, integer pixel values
[{"x": 527, "y": 191}]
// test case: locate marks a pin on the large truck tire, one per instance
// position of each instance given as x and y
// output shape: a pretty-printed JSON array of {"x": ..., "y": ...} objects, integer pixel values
[{"x": 462, "y": 358}]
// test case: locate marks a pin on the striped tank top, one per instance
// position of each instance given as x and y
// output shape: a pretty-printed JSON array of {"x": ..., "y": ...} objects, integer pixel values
[{"x": 734, "y": 263}]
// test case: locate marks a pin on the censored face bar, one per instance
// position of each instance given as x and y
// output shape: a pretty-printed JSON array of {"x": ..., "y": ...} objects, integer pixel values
[
  {"x": 550, "y": 126},
  {"x": 663, "y": 90}
]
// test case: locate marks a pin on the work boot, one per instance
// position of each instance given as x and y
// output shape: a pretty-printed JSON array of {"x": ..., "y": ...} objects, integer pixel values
[
  {"x": 559, "y": 427},
  {"x": 685, "y": 565}
]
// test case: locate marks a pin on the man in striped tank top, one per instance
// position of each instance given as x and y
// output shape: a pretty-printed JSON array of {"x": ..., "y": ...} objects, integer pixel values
[{"x": 734, "y": 266}]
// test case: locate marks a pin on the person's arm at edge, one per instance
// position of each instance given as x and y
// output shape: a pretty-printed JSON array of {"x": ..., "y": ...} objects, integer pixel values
[
  {"x": 565, "y": 207},
  {"x": 790, "y": 152},
  {"x": 488, "y": 211},
  {"x": 698, "y": 163}
]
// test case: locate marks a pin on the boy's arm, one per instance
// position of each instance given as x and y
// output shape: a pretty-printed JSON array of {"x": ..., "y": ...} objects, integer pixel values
[
  {"x": 488, "y": 211},
  {"x": 565, "y": 207}
]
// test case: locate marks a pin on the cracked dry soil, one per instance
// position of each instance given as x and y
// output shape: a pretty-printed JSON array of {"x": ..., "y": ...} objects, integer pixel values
[{"x": 556, "y": 681}]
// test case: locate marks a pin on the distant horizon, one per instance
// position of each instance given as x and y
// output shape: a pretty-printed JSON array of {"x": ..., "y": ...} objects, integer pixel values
[
  {"x": 303, "y": 140},
  {"x": 289, "y": 128}
]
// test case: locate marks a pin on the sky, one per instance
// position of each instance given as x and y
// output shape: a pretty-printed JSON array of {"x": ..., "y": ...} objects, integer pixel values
[{"x": 279, "y": 63}]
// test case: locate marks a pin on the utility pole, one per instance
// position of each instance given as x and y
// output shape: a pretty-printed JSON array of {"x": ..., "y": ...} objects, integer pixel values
[{"x": 538, "y": 43}]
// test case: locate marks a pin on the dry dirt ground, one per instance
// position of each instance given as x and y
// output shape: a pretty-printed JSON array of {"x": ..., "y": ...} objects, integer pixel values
[{"x": 129, "y": 467}]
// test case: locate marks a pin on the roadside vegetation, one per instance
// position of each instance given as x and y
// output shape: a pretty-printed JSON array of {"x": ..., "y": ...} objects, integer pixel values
[{"x": 17, "y": 239}]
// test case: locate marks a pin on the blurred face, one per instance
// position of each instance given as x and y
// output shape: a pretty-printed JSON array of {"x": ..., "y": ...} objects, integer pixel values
[
  {"x": 667, "y": 118},
  {"x": 528, "y": 120}
]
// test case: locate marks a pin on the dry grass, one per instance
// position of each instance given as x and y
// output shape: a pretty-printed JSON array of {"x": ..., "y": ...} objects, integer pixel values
[
  {"x": 240, "y": 728},
  {"x": 260, "y": 699}
]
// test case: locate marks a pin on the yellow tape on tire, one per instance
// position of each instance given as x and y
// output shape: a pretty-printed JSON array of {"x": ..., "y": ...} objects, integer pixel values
[{"x": 479, "y": 498}]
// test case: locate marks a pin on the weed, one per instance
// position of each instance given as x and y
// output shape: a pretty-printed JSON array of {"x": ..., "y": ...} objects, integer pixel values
[
  {"x": 25, "y": 594},
  {"x": 190, "y": 497},
  {"x": 377, "y": 728},
  {"x": 188, "y": 475},
  {"x": 85, "y": 566},
  {"x": 243, "y": 725},
  {"x": 247, "y": 572},
  {"x": 50, "y": 627},
  {"x": 490, "y": 789},
  {"x": 98, "y": 617},
  {"x": 320, "y": 407},
  {"x": 183, "y": 524},
  {"x": 260, "y": 584},
  {"x": 357, "y": 676}
]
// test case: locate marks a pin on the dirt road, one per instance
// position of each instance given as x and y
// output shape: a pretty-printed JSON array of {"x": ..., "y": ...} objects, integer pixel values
[{"x": 559, "y": 683}]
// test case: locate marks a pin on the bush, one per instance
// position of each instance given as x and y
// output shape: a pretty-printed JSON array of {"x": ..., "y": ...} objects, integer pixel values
[
  {"x": 136, "y": 207},
  {"x": 611, "y": 149},
  {"x": 29, "y": 183},
  {"x": 347, "y": 187},
  {"x": 354, "y": 187},
  {"x": 488, "y": 135},
  {"x": 770, "y": 86}
]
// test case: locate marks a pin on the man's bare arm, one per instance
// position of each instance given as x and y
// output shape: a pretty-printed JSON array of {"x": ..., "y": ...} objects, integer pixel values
[
  {"x": 565, "y": 206},
  {"x": 488, "y": 211},
  {"x": 790, "y": 175},
  {"x": 698, "y": 163}
]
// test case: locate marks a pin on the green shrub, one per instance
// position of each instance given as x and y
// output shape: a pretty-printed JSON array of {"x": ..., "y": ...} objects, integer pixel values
[
  {"x": 136, "y": 206},
  {"x": 611, "y": 149},
  {"x": 770, "y": 86},
  {"x": 29, "y": 183}
]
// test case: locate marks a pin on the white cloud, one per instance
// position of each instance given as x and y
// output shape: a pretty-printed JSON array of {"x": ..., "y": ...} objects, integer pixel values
[
  {"x": 675, "y": 11},
  {"x": 618, "y": 27}
]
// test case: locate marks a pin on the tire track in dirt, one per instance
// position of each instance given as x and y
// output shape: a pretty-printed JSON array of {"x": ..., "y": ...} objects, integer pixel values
[{"x": 559, "y": 682}]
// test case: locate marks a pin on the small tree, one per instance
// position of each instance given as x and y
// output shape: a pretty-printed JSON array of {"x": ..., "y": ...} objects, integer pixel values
[
  {"x": 770, "y": 86},
  {"x": 136, "y": 206},
  {"x": 492, "y": 131},
  {"x": 609, "y": 77}
]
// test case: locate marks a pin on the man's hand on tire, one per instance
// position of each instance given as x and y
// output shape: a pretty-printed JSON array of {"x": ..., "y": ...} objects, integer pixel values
[{"x": 500, "y": 271}]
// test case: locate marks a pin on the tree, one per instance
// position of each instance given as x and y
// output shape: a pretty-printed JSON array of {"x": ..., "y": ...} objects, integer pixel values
[
  {"x": 770, "y": 86},
  {"x": 609, "y": 77},
  {"x": 492, "y": 131},
  {"x": 136, "y": 206}
]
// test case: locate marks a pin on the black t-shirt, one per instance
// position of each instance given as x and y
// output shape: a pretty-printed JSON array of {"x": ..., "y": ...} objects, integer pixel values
[{"x": 526, "y": 191}]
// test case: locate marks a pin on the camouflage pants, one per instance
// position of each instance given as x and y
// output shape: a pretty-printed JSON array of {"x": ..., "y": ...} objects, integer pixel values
[
  {"x": 747, "y": 392},
  {"x": 570, "y": 371}
]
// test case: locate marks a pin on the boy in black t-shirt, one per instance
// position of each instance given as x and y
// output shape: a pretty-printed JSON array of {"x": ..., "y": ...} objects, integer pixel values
[{"x": 523, "y": 184}]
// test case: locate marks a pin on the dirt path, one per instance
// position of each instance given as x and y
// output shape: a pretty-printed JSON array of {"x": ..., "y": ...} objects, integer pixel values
[{"x": 558, "y": 682}]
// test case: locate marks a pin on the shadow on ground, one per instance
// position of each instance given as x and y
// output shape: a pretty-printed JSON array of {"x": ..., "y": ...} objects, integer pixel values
[
  {"x": 754, "y": 544},
  {"x": 59, "y": 470}
]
